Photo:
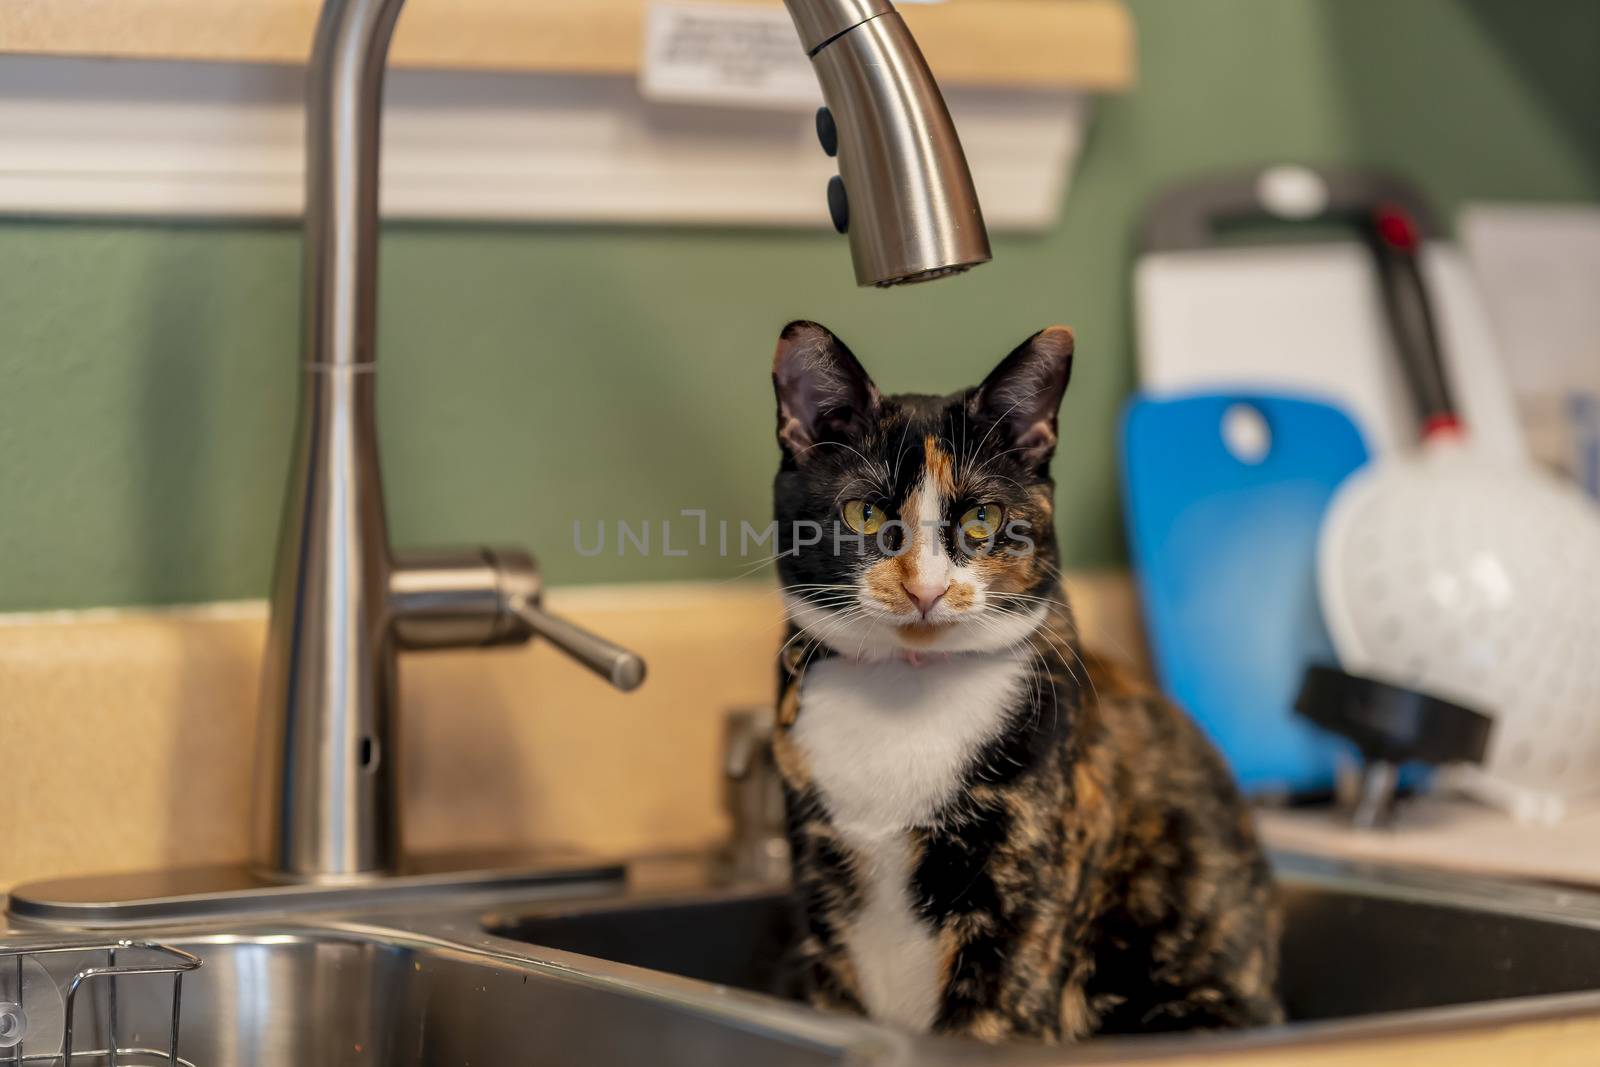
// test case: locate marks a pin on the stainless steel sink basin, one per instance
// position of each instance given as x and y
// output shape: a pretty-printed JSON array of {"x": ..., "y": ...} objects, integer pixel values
[
  {"x": 1358, "y": 942},
  {"x": 679, "y": 971},
  {"x": 340, "y": 995},
  {"x": 332, "y": 999}
]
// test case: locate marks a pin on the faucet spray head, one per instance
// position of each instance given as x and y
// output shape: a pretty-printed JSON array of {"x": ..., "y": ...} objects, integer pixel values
[{"x": 904, "y": 193}]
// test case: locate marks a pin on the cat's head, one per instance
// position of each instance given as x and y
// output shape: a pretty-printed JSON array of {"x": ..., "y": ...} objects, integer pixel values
[{"x": 912, "y": 525}]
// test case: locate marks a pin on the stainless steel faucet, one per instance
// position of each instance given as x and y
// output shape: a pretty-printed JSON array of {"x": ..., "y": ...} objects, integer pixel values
[
  {"x": 758, "y": 849},
  {"x": 344, "y": 603}
]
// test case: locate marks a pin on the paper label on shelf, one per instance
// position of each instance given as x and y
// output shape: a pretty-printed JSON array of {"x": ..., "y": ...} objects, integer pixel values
[{"x": 726, "y": 55}]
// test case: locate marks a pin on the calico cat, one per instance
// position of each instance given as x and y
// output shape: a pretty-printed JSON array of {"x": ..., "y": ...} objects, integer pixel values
[{"x": 995, "y": 833}]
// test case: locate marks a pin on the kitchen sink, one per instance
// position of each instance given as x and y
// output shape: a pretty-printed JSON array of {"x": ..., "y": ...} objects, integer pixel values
[
  {"x": 684, "y": 970},
  {"x": 1357, "y": 942}
]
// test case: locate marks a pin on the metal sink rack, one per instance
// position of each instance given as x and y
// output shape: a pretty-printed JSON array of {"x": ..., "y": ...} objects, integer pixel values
[{"x": 151, "y": 958}]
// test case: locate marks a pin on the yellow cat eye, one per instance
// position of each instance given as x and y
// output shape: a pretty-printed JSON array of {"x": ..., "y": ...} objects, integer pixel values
[
  {"x": 982, "y": 522},
  {"x": 862, "y": 517}
]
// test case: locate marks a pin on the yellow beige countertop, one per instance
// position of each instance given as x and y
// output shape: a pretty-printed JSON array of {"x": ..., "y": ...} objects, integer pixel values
[
  {"x": 1563, "y": 1041},
  {"x": 1453, "y": 833}
]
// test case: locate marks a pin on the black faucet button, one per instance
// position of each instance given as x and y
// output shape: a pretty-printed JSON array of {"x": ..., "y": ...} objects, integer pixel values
[
  {"x": 827, "y": 132},
  {"x": 838, "y": 204}
]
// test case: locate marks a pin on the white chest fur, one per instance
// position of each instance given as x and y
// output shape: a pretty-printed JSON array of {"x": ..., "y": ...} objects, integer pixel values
[{"x": 887, "y": 745}]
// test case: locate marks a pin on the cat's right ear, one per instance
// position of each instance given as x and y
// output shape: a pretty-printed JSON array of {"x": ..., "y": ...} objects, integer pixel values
[{"x": 824, "y": 394}]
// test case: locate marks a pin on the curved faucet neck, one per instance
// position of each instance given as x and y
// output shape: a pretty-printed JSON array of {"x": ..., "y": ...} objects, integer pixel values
[{"x": 344, "y": 99}]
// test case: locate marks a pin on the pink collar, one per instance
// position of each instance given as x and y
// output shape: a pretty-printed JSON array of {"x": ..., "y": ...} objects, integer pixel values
[{"x": 921, "y": 659}]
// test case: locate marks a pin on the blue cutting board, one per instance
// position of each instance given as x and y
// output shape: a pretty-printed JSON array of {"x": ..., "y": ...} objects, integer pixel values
[{"x": 1224, "y": 539}]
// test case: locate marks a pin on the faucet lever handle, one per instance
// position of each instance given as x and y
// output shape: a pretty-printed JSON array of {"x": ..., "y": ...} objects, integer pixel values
[
  {"x": 463, "y": 597},
  {"x": 623, "y": 669}
]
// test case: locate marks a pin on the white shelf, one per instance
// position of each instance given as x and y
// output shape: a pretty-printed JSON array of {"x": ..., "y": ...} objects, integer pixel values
[{"x": 90, "y": 137}]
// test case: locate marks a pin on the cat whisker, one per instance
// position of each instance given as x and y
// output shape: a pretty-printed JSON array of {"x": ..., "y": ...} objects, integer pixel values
[
  {"x": 900, "y": 453},
  {"x": 818, "y": 444},
  {"x": 1005, "y": 415},
  {"x": 757, "y": 565},
  {"x": 1057, "y": 640}
]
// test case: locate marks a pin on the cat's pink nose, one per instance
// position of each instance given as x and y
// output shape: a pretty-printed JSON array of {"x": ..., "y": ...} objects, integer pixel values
[{"x": 925, "y": 594}]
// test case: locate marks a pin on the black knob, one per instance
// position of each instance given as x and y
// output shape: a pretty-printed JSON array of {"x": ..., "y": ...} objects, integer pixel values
[
  {"x": 827, "y": 132},
  {"x": 838, "y": 204},
  {"x": 1391, "y": 723}
]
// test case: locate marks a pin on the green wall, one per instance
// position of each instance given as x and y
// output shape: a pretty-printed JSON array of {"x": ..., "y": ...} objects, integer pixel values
[{"x": 533, "y": 375}]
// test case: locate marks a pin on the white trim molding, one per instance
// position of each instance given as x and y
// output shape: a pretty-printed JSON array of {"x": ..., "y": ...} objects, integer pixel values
[{"x": 180, "y": 139}]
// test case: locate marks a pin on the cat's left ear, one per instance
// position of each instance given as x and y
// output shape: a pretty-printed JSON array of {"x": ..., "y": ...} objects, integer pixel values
[{"x": 1023, "y": 393}]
